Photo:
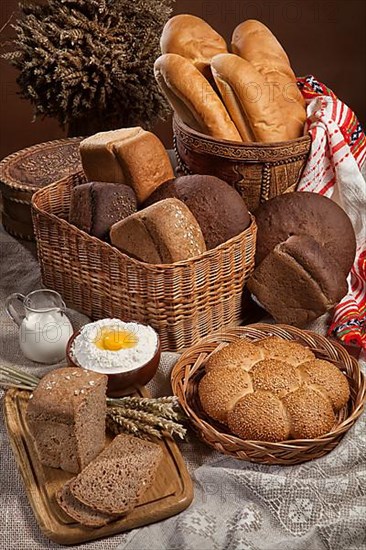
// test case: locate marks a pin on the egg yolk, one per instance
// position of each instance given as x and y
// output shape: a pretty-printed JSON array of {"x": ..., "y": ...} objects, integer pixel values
[{"x": 115, "y": 340}]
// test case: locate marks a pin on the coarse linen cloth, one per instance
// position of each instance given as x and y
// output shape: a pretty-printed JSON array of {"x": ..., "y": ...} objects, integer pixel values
[
  {"x": 237, "y": 505},
  {"x": 336, "y": 169}
]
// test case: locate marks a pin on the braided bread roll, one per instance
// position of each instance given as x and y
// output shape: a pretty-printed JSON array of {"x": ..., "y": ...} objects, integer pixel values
[{"x": 272, "y": 390}]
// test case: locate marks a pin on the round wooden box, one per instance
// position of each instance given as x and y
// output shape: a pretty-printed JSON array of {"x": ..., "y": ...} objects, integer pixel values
[
  {"x": 26, "y": 171},
  {"x": 259, "y": 171}
]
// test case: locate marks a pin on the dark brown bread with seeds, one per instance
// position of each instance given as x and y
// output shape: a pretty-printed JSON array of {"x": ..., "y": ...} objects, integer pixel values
[
  {"x": 115, "y": 481},
  {"x": 96, "y": 206},
  {"x": 218, "y": 207},
  {"x": 79, "y": 511},
  {"x": 66, "y": 418}
]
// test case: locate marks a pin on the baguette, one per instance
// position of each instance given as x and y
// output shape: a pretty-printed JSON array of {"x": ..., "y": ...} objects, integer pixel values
[
  {"x": 192, "y": 38},
  {"x": 193, "y": 98},
  {"x": 247, "y": 97},
  {"x": 255, "y": 43}
]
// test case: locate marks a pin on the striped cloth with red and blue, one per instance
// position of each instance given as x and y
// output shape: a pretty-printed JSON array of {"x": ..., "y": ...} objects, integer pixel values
[{"x": 334, "y": 169}]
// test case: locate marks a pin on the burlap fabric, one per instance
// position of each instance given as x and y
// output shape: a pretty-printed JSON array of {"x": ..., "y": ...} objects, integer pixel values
[{"x": 237, "y": 505}]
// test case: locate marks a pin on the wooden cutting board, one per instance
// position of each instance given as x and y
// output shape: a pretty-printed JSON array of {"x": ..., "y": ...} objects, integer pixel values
[{"x": 171, "y": 492}]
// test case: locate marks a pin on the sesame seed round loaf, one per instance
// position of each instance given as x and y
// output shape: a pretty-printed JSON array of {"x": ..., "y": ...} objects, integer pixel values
[
  {"x": 324, "y": 374},
  {"x": 259, "y": 416},
  {"x": 310, "y": 412},
  {"x": 241, "y": 354},
  {"x": 287, "y": 393},
  {"x": 275, "y": 376},
  {"x": 284, "y": 350},
  {"x": 219, "y": 391}
]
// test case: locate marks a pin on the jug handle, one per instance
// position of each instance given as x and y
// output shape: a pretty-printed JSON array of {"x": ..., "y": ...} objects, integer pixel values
[{"x": 11, "y": 311}]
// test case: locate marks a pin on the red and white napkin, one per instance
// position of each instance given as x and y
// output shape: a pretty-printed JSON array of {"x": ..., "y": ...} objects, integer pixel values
[{"x": 334, "y": 169}]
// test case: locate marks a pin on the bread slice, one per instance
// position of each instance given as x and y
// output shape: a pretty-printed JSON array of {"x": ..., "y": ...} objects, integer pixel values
[
  {"x": 114, "y": 482},
  {"x": 80, "y": 511}
]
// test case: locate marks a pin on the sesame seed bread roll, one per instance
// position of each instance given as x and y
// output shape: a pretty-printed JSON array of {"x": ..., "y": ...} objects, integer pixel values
[
  {"x": 329, "y": 378},
  {"x": 163, "y": 233},
  {"x": 310, "y": 412},
  {"x": 241, "y": 354},
  {"x": 260, "y": 416},
  {"x": 192, "y": 38},
  {"x": 193, "y": 98},
  {"x": 288, "y": 351},
  {"x": 131, "y": 156},
  {"x": 282, "y": 397},
  {"x": 254, "y": 42},
  {"x": 247, "y": 97},
  {"x": 219, "y": 390},
  {"x": 275, "y": 376}
]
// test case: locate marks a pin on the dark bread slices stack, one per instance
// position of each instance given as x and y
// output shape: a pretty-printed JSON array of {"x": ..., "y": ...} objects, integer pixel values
[
  {"x": 305, "y": 249},
  {"x": 113, "y": 483}
]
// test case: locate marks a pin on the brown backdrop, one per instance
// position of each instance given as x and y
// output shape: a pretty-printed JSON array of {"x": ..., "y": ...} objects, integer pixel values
[{"x": 324, "y": 37}]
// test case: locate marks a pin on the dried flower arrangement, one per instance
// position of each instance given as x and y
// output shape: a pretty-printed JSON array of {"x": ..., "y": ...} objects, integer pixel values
[
  {"x": 83, "y": 61},
  {"x": 138, "y": 416}
]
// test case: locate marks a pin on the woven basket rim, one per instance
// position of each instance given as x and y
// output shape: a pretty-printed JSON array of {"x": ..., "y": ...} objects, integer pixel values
[
  {"x": 11, "y": 159},
  {"x": 146, "y": 266},
  {"x": 182, "y": 370},
  {"x": 239, "y": 144}
]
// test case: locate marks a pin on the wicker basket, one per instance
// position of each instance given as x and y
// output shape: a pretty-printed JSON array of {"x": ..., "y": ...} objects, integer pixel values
[
  {"x": 26, "y": 171},
  {"x": 189, "y": 370},
  {"x": 183, "y": 301},
  {"x": 259, "y": 171}
]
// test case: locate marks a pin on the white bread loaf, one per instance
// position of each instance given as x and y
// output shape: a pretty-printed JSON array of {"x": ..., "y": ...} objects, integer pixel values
[
  {"x": 192, "y": 38},
  {"x": 254, "y": 42},
  {"x": 131, "y": 156},
  {"x": 193, "y": 98},
  {"x": 248, "y": 99}
]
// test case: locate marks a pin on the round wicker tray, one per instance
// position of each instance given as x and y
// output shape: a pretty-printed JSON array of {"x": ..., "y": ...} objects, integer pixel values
[{"x": 190, "y": 368}]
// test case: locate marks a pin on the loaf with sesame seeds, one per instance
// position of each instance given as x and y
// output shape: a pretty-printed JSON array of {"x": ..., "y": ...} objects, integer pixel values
[
  {"x": 281, "y": 392},
  {"x": 163, "y": 233},
  {"x": 66, "y": 418},
  {"x": 95, "y": 206}
]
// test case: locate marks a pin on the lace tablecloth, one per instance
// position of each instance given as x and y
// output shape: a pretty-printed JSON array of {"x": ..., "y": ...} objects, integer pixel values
[{"x": 237, "y": 505}]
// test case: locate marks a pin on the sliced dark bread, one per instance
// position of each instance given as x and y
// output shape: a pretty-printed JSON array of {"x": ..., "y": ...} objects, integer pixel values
[
  {"x": 80, "y": 511},
  {"x": 114, "y": 482}
]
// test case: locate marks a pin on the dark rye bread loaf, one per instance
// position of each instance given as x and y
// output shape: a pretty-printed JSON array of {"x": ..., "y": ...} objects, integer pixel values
[
  {"x": 96, "y": 206},
  {"x": 298, "y": 281},
  {"x": 306, "y": 214},
  {"x": 218, "y": 208},
  {"x": 115, "y": 481},
  {"x": 66, "y": 417},
  {"x": 79, "y": 511}
]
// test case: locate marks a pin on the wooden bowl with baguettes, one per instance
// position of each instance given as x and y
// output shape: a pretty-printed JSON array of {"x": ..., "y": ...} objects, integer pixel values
[{"x": 190, "y": 370}]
